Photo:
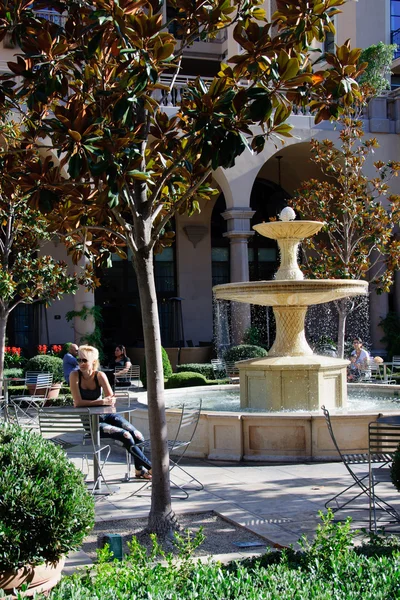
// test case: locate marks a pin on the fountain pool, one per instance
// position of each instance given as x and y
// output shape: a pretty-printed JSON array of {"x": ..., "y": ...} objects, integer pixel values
[{"x": 296, "y": 436}]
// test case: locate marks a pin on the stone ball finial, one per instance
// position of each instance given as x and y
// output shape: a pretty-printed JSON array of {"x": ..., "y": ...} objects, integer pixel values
[{"x": 287, "y": 214}]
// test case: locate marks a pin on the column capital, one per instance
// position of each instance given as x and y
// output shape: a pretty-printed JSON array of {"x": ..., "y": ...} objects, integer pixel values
[
  {"x": 238, "y": 222},
  {"x": 240, "y": 212}
]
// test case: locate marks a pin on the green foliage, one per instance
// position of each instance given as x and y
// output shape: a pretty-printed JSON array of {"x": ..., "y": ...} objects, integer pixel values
[
  {"x": 167, "y": 369},
  {"x": 13, "y": 372},
  {"x": 243, "y": 352},
  {"x": 391, "y": 328},
  {"x": 253, "y": 336},
  {"x": 379, "y": 60},
  {"x": 45, "y": 509},
  {"x": 329, "y": 567},
  {"x": 185, "y": 379},
  {"x": 202, "y": 368},
  {"x": 95, "y": 338},
  {"x": 46, "y": 364}
]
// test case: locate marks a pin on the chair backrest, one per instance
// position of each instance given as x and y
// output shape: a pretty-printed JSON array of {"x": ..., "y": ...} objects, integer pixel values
[
  {"x": 133, "y": 373},
  {"x": 330, "y": 429},
  {"x": 219, "y": 366},
  {"x": 396, "y": 361},
  {"x": 41, "y": 381},
  {"x": 56, "y": 424},
  {"x": 187, "y": 424},
  {"x": 383, "y": 437},
  {"x": 231, "y": 369}
]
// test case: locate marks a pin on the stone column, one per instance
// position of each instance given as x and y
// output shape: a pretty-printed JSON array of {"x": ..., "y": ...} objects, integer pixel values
[
  {"x": 83, "y": 298},
  {"x": 238, "y": 224}
]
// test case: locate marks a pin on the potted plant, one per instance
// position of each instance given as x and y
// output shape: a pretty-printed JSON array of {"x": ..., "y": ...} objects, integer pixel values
[
  {"x": 46, "y": 363},
  {"x": 45, "y": 510}
]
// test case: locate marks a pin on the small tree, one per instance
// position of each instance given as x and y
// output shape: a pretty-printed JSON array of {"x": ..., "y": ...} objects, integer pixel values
[
  {"x": 378, "y": 59},
  {"x": 94, "y": 88},
  {"x": 25, "y": 276},
  {"x": 357, "y": 241}
]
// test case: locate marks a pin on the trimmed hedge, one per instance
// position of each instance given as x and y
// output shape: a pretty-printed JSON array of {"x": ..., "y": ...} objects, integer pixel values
[
  {"x": 13, "y": 372},
  {"x": 45, "y": 508},
  {"x": 185, "y": 379},
  {"x": 166, "y": 367},
  {"x": 202, "y": 368},
  {"x": 244, "y": 352}
]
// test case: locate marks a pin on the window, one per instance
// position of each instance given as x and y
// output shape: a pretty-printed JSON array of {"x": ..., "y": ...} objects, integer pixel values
[{"x": 395, "y": 25}]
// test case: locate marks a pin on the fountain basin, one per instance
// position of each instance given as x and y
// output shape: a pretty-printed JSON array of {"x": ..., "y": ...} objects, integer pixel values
[
  {"x": 281, "y": 230},
  {"x": 300, "y": 293},
  {"x": 272, "y": 437}
]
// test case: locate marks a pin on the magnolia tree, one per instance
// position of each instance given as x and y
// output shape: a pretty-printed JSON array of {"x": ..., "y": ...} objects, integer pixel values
[
  {"x": 357, "y": 240},
  {"x": 25, "y": 276},
  {"x": 94, "y": 86}
]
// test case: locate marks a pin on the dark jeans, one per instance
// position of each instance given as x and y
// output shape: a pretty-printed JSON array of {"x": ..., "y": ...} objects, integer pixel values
[{"x": 117, "y": 427}]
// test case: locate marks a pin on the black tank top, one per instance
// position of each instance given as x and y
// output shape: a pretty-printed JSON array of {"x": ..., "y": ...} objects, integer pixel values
[{"x": 90, "y": 394}]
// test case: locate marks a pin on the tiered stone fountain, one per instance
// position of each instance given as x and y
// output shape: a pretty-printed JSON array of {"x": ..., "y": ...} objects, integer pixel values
[{"x": 292, "y": 376}]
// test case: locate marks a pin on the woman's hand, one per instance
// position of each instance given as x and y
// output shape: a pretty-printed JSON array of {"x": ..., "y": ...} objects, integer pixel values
[{"x": 109, "y": 401}]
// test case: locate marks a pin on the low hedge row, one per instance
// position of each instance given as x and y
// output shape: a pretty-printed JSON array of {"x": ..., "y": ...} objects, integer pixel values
[
  {"x": 204, "y": 369},
  {"x": 329, "y": 567},
  {"x": 186, "y": 379}
]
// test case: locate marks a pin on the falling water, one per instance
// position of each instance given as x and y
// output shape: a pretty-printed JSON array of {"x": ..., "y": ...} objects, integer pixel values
[{"x": 222, "y": 330}]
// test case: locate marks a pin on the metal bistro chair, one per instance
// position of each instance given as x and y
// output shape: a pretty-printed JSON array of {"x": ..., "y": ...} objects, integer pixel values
[
  {"x": 232, "y": 372},
  {"x": 187, "y": 427},
  {"x": 383, "y": 439},
  {"x": 24, "y": 410},
  {"x": 74, "y": 434},
  {"x": 360, "y": 478},
  {"x": 395, "y": 364},
  {"x": 129, "y": 380},
  {"x": 219, "y": 368}
]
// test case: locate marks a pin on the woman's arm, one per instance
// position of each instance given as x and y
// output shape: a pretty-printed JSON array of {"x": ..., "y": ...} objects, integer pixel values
[
  {"x": 124, "y": 370},
  {"x": 106, "y": 387},
  {"x": 76, "y": 395}
]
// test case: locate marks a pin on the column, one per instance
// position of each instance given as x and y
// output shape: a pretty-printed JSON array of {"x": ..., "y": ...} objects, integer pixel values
[
  {"x": 83, "y": 298},
  {"x": 239, "y": 232}
]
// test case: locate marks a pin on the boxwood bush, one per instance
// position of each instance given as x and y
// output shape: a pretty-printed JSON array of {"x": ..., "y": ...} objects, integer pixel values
[
  {"x": 166, "y": 368},
  {"x": 13, "y": 372},
  {"x": 243, "y": 352},
  {"x": 329, "y": 567},
  {"x": 202, "y": 368},
  {"x": 47, "y": 364},
  {"x": 45, "y": 509},
  {"x": 186, "y": 379}
]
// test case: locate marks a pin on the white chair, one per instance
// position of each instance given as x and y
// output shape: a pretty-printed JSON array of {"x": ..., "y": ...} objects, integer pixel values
[
  {"x": 219, "y": 368},
  {"x": 395, "y": 363},
  {"x": 24, "y": 410},
  {"x": 74, "y": 434},
  {"x": 128, "y": 380}
]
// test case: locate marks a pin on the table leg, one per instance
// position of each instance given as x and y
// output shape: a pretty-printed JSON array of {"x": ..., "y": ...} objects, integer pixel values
[{"x": 98, "y": 489}]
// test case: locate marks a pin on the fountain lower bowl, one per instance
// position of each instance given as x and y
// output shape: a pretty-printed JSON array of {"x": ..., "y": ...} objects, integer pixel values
[
  {"x": 272, "y": 437},
  {"x": 298, "y": 293}
]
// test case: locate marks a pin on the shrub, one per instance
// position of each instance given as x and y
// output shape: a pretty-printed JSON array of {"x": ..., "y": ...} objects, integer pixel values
[
  {"x": 46, "y": 364},
  {"x": 202, "y": 368},
  {"x": 45, "y": 509},
  {"x": 166, "y": 368},
  {"x": 186, "y": 379},
  {"x": 243, "y": 352},
  {"x": 13, "y": 372}
]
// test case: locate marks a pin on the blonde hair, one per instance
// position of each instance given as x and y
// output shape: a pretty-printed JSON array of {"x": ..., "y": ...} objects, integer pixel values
[{"x": 91, "y": 353}]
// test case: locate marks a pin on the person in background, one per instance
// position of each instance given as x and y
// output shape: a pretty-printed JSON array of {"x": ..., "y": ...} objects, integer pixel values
[
  {"x": 122, "y": 363},
  {"x": 359, "y": 361},
  {"x": 88, "y": 385},
  {"x": 69, "y": 361}
]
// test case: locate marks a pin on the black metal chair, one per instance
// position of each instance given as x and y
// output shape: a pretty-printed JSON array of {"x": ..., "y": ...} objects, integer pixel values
[
  {"x": 384, "y": 439},
  {"x": 361, "y": 479}
]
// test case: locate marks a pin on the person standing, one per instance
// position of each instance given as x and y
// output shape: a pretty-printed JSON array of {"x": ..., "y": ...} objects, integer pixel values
[{"x": 69, "y": 361}]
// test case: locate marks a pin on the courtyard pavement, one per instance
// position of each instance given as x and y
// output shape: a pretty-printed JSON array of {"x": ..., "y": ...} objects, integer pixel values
[{"x": 279, "y": 502}]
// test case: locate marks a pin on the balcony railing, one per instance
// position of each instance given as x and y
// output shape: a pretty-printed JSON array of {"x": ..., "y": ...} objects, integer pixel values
[{"x": 51, "y": 15}]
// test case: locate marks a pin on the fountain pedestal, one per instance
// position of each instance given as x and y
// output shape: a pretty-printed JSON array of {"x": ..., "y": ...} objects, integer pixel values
[{"x": 293, "y": 383}]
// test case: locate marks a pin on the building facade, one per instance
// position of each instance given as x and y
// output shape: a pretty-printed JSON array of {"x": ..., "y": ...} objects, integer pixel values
[{"x": 219, "y": 245}]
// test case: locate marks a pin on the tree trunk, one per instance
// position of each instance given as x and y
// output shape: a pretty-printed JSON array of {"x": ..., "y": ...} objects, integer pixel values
[
  {"x": 342, "y": 312},
  {"x": 161, "y": 517},
  {"x": 3, "y": 325}
]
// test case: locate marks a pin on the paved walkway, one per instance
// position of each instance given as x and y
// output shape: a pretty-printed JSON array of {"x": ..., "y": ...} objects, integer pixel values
[{"x": 279, "y": 502}]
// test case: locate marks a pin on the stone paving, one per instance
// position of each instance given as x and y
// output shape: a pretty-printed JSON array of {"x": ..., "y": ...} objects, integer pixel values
[{"x": 279, "y": 502}]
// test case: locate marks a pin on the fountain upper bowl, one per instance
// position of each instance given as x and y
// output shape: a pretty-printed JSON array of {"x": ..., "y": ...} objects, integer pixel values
[
  {"x": 280, "y": 230},
  {"x": 306, "y": 292}
]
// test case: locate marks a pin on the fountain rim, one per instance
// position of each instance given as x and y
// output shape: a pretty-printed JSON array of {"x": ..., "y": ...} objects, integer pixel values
[{"x": 283, "y": 230}]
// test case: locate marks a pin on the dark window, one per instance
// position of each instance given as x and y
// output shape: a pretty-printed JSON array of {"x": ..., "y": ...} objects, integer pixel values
[{"x": 395, "y": 25}]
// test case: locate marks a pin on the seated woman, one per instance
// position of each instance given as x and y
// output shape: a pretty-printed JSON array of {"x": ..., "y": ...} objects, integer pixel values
[
  {"x": 122, "y": 363},
  {"x": 87, "y": 387},
  {"x": 358, "y": 362}
]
